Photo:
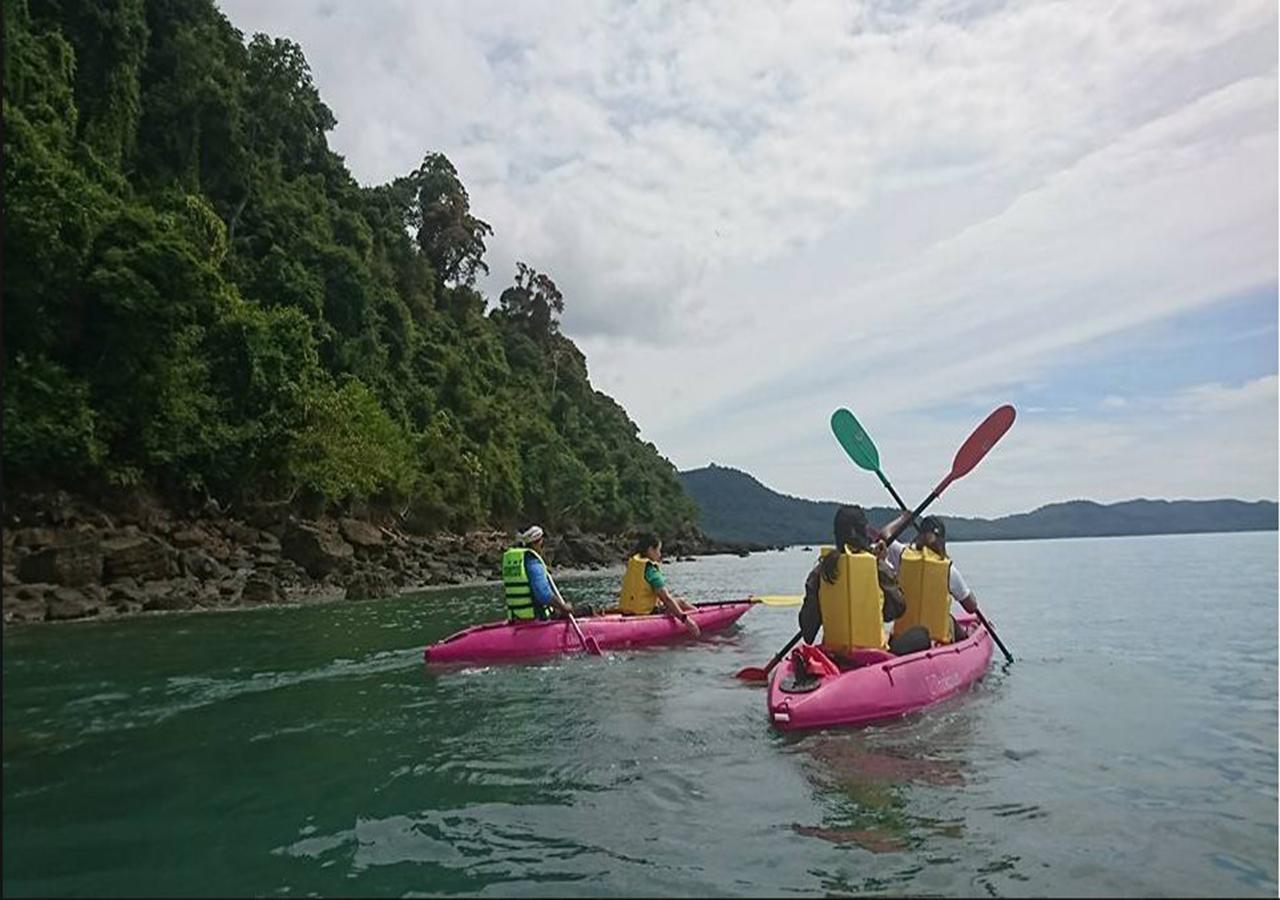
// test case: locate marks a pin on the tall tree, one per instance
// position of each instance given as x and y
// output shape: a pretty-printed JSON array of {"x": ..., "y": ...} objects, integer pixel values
[
  {"x": 533, "y": 299},
  {"x": 439, "y": 211}
]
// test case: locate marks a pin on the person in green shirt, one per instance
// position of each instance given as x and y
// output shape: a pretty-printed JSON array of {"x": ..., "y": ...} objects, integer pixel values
[{"x": 644, "y": 587}]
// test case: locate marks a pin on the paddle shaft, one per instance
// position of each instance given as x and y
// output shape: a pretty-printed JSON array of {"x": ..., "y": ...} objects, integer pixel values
[
  {"x": 591, "y": 648},
  {"x": 995, "y": 637},
  {"x": 885, "y": 481},
  {"x": 767, "y": 600},
  {"x": 582, "y": 637},
  {"x": 914, "y": 514},
  {"x": 781, "y": 653}
]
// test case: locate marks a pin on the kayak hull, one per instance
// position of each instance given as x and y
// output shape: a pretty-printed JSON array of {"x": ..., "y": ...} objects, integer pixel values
[
  {"x": 508, "y": 641},
  {"x": 884, "y": 686}
]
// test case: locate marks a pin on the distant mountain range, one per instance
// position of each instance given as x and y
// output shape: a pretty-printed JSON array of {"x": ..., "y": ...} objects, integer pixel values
[{"x": 734, "y": 506}]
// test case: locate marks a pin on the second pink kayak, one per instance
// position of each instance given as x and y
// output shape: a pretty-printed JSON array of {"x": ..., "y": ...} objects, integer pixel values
[{"x": 505, "y": 641}]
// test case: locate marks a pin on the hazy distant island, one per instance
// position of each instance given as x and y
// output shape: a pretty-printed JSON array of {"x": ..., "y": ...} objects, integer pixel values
[{"x": 734, "y": 506}]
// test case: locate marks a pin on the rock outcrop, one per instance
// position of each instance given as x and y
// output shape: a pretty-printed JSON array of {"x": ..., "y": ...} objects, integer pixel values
[{"x": 70, "y": 560}]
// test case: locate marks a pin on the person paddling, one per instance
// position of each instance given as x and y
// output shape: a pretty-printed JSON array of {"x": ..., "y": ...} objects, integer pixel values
[
  {"x": 644, "y": 588},
  {"x": 530, "y": 592},
  {"x": 846, "y": 595},
  {"x": 929, "y": 581}
]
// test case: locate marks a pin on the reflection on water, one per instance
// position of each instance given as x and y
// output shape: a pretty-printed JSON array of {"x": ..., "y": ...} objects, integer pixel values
[
  {"x": 864, "y": 782},
  {"x": 870, "y": 785}
]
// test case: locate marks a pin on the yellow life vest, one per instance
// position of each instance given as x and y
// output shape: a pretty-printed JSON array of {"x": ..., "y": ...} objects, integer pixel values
[
  {"x": 638, "y": 596},
  {"x": 852, "y": 607},
  {"x": 925, "y": 577}
]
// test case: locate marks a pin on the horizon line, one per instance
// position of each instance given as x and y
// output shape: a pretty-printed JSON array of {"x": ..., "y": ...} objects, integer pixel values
[{"x": 1275, "y": 502}]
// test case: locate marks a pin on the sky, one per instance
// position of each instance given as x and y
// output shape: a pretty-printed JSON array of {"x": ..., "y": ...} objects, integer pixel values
[{"x": 917, "y": 210}]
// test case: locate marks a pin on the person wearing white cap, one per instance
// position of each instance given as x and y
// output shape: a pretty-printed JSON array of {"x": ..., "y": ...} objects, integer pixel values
[{"x": 530, "y": 592}]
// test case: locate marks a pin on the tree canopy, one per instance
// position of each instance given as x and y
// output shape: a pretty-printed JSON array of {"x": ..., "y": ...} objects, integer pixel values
[{"x": 201, "y": 299}]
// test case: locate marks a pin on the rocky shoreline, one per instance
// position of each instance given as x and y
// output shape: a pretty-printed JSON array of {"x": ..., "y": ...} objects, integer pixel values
[{"x": 67, "y": 559}]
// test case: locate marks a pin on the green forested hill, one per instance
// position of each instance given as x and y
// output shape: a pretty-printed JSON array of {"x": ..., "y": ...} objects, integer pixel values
[
  {"x": 736, "y": 507},
  {"x": 199, "y": 298}
]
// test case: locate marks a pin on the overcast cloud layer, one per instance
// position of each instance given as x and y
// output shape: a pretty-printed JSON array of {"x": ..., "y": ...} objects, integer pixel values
[{"x": 760, "y": 212}]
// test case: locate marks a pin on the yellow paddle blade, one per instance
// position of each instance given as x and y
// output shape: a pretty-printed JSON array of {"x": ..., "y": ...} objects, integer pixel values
[{"x": 779, "y": 599}]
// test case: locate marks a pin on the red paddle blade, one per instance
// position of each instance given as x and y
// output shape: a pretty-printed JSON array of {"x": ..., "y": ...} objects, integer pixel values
[
  {"x": 982, "y": 440},
  {"x": 753, "y": 673},
  {"x": 593, "y": 646}
]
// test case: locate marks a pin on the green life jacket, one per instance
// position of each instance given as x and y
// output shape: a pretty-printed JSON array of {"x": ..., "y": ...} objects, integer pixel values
[{"x": 515, "y": 584}]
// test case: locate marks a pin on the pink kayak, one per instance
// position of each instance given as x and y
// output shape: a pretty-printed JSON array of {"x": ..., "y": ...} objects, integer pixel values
[
  {"x": 882, "y": 686},
  {"x": 501, "y": 641}
]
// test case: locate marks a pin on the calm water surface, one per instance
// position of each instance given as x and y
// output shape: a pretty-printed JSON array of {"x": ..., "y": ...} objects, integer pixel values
[{"x": 1131, "y": 749}]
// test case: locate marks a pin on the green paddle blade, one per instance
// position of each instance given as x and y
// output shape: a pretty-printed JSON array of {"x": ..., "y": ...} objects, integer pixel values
[{"x": 854, "y": 440}]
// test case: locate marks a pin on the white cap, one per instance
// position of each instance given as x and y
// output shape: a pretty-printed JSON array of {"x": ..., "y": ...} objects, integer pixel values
[{"x": 531, "y": 534}]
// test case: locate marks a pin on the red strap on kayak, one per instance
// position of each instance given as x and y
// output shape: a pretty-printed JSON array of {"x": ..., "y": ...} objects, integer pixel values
[{"x": 817, "y": 662}]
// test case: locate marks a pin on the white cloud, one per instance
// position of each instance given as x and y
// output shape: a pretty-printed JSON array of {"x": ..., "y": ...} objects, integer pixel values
[
  {"x": 1217, "y": 442},
  {"x": 1211, "y": 399},
  {"x": 759, "y": 212}
]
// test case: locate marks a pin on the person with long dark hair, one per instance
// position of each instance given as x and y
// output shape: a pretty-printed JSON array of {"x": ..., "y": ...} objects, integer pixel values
[
  {"x": 844, "y": 594},
  {"x": 929, "y": 580},
  {"x": 644, "y": 587}
]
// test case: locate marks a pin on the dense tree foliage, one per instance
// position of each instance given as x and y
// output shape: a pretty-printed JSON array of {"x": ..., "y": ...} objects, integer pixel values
[{"x": 200, "y": 298}]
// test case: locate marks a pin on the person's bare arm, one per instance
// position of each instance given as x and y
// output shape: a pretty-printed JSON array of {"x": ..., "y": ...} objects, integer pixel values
[
  {"x": 893, "y": 526},
  {"x": 673, "y": 607},
  {"x": 960, "y": 590},
  {"x": 810, "y": 616}
]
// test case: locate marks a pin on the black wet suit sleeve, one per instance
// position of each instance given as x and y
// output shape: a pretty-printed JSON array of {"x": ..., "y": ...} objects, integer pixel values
[{"x": 810, "y": 611}]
